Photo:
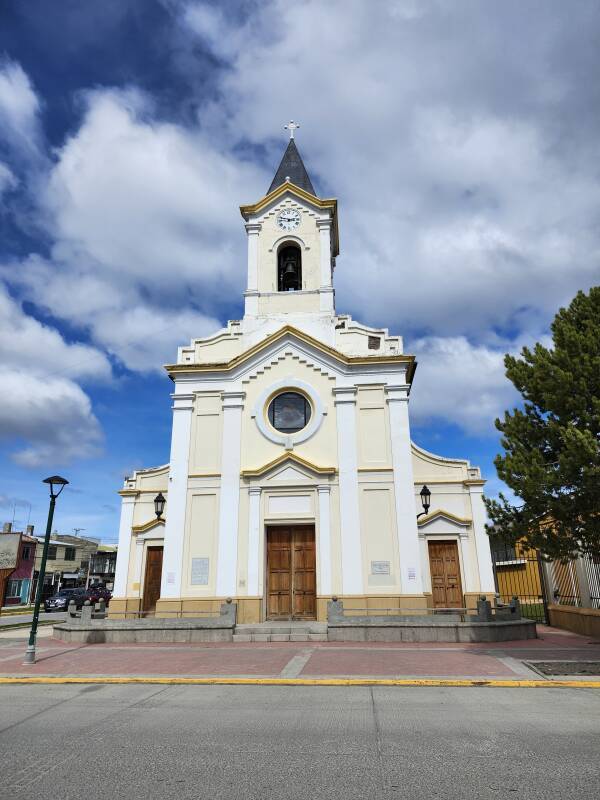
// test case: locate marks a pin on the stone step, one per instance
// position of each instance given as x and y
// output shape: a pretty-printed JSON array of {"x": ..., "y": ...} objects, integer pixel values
[
  {"x": 278, "y": 628},
  {"x": 280, "y": 637}
]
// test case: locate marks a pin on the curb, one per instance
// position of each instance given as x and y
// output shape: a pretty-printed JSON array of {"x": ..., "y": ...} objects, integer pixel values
[{"x": 175, "y": 681}]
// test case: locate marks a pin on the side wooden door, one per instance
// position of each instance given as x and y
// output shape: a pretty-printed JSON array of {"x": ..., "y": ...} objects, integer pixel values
[
  {"x": 444, "y": 565},
  {"x": 154, "y": 557},
  {"x": 279, "y": 573},
  {"x": 291, "y": 572},
  {"x": 304, "y": 580}
]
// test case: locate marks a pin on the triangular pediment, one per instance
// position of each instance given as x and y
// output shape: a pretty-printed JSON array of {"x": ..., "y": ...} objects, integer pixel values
[
  {"x": 289, "y": 467},
  {"x": 441, "y": 521},
  {"x": 290, "y": 474},
  {"x": 153, "y": 529}
]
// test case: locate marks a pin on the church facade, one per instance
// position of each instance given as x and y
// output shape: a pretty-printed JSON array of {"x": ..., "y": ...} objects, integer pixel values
[{"x": 292, "y": 475}]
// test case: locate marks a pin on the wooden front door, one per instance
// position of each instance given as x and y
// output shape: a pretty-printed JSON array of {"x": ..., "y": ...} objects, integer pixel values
[
  {"x": 445, "y": 575},
  {"x": 291, "y": 572},
  {"x": 154, "y": 557}
]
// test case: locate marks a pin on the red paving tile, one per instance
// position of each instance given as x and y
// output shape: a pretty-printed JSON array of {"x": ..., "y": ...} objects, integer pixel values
[
  {"x": 157, "y": 660},
  {"x": 326, "y": 659},
  {"x": 394, "y": 662}
]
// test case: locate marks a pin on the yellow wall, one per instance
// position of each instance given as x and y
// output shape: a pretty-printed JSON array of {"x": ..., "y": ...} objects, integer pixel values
[{"x": 320, "y": 449}]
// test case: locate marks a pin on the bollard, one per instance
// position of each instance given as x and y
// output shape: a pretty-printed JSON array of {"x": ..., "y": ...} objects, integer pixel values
[
  {"x": 72, "y": 609},
  {"x": 86, "y": 612}
]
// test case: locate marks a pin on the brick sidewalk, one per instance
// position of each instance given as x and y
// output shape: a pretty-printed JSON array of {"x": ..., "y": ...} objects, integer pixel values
[{"x": 299, "y": 659}]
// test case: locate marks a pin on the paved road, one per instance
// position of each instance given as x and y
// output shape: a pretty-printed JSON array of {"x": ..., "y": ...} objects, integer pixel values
[
  {"x": 144, "y": 741},
  {"x": 17, "y": 619}
]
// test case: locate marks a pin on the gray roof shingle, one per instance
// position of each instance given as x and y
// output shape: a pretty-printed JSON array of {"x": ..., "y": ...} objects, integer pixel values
[{"x": 292, "y": 167}]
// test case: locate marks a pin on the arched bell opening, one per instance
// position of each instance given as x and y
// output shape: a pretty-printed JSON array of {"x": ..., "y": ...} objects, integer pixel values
[{"x": 289, "y": 268}]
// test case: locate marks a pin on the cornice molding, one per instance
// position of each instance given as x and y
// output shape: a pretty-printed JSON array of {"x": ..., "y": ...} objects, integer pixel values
[{"x": 290, "y": 330}]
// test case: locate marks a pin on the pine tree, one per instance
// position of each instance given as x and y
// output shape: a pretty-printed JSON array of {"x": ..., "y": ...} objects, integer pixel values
[{"x": 551, "y": 447}]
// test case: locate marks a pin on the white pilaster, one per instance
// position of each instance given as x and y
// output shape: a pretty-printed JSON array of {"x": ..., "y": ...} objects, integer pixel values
[
  {"x": 345, "y": 402},
  {"x": 469, "y": 582},
  {"x": 324, "y": 540},
  {"x": 137, "y": 568},
  {"x": 170, "y": 586},
  {"x": 124, "y": 549},
  {"x": 253, "y": 230},
  {"x": 251, "y": 294},
  {"x": 233, "y": 403},
  {"x": 324, "y": 226},
  {"x": 411, "y": 577},
  {"x": 254, "y": 493},
  {"x": 482, "y": 540},
  {"x": 326, "y": 292}
]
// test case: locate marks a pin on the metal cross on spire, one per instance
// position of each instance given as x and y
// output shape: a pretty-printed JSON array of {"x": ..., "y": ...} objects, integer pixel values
[{"x": 291, "y": 127}]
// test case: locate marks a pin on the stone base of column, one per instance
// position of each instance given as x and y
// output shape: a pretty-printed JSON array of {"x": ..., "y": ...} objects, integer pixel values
[{"x": 124, "y": 608}]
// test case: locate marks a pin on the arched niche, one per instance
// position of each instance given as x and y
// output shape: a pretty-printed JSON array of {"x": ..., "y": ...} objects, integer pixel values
[{"x": 289, "y": 267}]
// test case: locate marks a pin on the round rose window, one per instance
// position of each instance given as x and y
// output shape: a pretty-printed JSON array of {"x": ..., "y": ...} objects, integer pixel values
[{"x": 289, "y": 412}]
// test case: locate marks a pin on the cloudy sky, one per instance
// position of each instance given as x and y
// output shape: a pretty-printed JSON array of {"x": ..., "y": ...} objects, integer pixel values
[{"x": 463, "y": 143}]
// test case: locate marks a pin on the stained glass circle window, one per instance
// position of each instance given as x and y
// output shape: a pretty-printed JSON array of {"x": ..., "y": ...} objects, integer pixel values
[{"x": 289, "y": 412}]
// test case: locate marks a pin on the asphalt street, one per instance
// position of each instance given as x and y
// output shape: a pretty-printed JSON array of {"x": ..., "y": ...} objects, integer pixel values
[
  {"x": 6, "y": 620},
  {"x": 149, "y": 741}
]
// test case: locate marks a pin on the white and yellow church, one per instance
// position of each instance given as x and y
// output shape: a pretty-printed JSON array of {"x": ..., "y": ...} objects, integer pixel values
[{"x": 292, "y": 475}]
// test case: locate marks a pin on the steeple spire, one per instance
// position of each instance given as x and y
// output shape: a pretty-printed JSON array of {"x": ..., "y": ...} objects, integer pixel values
[{"x": 292, "y": 167}]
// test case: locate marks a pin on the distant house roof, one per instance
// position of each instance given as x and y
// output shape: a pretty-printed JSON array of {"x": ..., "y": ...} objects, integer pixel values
[{"x": 292, "y": 168}]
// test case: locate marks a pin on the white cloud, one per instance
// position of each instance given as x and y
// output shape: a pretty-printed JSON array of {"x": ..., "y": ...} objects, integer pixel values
[
  {"x": 144, "y": 216},
  {"x": 19, "y": 108},
  {"x": 460, "y": 382},
  {"x": 468, "y": 206},
  {"x": 52, "y": 415},
  {"x": 43, "y": 412},
  {"x": 463, "y": 168},
  {"x": 7, "y": 179},
  {"x": 26, "y": 343}
]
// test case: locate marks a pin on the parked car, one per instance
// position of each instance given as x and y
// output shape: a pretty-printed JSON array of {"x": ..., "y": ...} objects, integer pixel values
[
  {"x": 95, "y": 593},
  {"x": 60, "y": 601}
]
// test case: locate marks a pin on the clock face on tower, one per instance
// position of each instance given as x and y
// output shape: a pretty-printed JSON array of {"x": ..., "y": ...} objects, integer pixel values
[{"x": 288, "y": 219}]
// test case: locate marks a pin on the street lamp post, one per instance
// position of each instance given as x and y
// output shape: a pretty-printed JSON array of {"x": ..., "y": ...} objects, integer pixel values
[{"x": 55, "y": 482}]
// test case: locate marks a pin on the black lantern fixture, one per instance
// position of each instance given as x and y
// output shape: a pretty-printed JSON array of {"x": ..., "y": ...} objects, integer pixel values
[
  {"x": 425, "y": 500},
  {"x": 159, "y": 505},
  {"x": 57, "y": 484}
]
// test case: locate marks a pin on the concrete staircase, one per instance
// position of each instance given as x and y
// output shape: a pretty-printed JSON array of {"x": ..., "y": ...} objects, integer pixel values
[{"x": 281, "y": 632}]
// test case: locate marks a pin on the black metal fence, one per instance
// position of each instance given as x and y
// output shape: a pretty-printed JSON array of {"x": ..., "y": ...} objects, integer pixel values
[
  {"x": 591, "y": 569},
  {"x": 518, "y": 572}
]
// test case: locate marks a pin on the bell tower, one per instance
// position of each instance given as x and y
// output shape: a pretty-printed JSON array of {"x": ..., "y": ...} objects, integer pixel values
[{"x": 292, "y": 245}]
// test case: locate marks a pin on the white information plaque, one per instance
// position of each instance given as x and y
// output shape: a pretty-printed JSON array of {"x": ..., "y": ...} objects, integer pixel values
[
  {"x": 380, "y": 567},
  {"x": 200, "y": 568}
]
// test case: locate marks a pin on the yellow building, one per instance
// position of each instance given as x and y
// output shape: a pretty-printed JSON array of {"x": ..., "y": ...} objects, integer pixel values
[{"x": 292, "y": 476}]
